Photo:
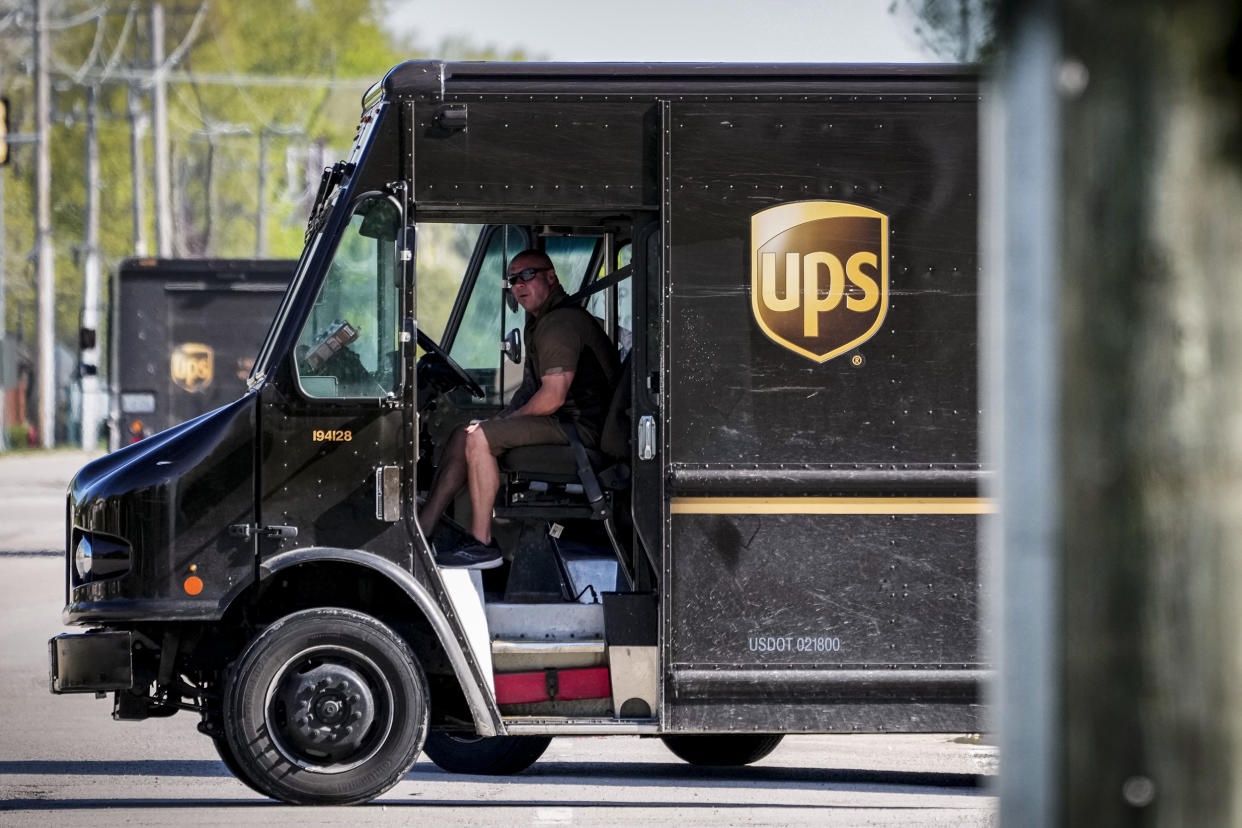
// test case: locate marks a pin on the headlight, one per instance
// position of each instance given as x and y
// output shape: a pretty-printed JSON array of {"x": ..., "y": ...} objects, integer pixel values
[
  {"x": 82, "y": 558},
  {"x": 99, "y": 556}
]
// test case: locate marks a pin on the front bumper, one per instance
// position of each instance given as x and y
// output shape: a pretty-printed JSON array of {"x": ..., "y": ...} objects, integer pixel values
[{"x": 92, "y": 662}]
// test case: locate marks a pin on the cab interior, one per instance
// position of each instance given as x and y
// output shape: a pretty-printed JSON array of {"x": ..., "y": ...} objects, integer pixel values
[{"x": 576, "y": 581}]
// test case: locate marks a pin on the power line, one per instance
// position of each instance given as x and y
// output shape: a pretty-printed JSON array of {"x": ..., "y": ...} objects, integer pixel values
[
  {"x": 78, "y": 19},
  {"x": 121, "y": 40},
  {"x": 186, "y": 41},
  {"x": 147, "y": 77},
  {"x": 94, "y": 52}
]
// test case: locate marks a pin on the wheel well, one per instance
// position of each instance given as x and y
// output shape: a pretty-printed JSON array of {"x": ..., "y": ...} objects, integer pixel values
[{"x": 351, "y": 586}]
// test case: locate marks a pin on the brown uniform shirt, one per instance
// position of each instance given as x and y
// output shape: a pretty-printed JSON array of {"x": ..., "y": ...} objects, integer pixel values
[{"x": 566, "y": 337}]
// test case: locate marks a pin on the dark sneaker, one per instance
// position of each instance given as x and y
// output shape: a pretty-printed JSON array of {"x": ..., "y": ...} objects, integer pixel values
[
  {"x": 474, "y": 555},
  {"x": 447, "y": 540}
]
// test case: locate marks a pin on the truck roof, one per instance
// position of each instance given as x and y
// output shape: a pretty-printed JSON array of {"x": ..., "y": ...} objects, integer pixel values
[{"x": 440, "y": 79}]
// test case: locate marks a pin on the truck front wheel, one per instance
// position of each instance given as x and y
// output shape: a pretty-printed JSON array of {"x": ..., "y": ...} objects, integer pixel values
[
  {"x": 230, "y": 761},
  {"x": 722, "y": 749},
  {"x": 492, "y": 756},
  {"x": 326, "y": 707}
]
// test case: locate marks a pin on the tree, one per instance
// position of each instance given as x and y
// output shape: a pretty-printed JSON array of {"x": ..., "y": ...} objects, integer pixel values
[
  {"x": 960, "y": 30},
  {"x": 233, "y": 118}
]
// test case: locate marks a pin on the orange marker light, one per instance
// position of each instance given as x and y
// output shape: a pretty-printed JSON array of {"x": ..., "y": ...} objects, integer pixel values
[{"x": 193, "y": 585}]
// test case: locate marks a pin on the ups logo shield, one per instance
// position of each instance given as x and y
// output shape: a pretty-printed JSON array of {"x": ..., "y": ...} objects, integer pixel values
[
  {"x": 819, "y": 275},
  {"x": 192, "y": 366}
]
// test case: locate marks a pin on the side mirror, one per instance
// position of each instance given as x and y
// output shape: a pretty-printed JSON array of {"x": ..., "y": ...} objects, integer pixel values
[
  {"x": 511, "y": 300},
  {"x": 511, "y": 346}
]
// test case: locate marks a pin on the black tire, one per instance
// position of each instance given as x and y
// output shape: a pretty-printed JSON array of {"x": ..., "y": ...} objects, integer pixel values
[
  {"x": 723, "y": 749},
  {"x": 490, "y": 756},
  {"x": 325, "y": 707},
  {"x": 230, "y": 761}
]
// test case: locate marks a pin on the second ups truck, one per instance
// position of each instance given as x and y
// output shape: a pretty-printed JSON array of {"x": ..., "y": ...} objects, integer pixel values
[
  {"x": 782, "y": 538},
  {"x": 183, "y": 337}
]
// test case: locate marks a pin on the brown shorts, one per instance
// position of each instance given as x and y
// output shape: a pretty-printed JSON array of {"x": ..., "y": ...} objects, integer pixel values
[{"x": 512, "y": 432}]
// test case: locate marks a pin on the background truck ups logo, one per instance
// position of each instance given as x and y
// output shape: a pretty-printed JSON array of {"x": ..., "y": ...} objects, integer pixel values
[
  {"x": 819, "y": 275},
  {"x": 192, "y": 366}
]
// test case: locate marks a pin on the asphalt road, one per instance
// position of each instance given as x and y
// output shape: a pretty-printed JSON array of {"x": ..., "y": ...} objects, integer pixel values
[
  {"x": 64, "y": 761},
  {"x": 32, "y": 498}
]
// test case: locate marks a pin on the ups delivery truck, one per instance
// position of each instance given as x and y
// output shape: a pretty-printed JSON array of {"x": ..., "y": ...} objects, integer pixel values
[
  {"x": 183, "y": 337},
  {"x": 779, "y": 536}
]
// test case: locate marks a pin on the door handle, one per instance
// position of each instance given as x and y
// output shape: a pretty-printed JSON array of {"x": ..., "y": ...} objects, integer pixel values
[
  {"x": 388, "y": 494},
  {"x": 250, "y": 530},
  {"x": 646, "y": 437}
]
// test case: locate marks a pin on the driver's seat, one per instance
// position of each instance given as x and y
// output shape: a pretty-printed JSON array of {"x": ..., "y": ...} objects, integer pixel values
[{"x": 554, "y": 482}]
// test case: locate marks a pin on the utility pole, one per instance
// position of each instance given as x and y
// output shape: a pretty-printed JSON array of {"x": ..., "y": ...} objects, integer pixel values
[
  {"x": 89, "y": 342},
  {"x": 137, "y": 129},
  {"x": 4, "y": 328},
  {"x": 159, "y": 133},
  {"x": 43, "y": 234},
  {"x": 260, "y": 224}
]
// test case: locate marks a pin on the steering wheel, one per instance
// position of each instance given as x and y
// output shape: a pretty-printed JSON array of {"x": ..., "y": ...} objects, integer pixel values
[{"x": 432, "y": 347}]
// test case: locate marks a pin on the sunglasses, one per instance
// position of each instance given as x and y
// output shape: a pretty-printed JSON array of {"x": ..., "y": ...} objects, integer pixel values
[{"x": 524, "y": 275}]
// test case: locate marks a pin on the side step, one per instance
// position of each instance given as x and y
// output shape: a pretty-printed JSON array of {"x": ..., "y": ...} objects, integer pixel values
[
  {"x": 579, "y": 726},
  {"x": 516, "y": 655},
  {"x": 560, "y": 621},
  {"x": 548, "y": 639}
]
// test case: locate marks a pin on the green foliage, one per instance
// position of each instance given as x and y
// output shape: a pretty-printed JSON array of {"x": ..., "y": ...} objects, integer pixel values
[
  {"x": 958, "y": 30},
  {"x": 217, "y": 128},
  {"x": 18, "y": 437}
]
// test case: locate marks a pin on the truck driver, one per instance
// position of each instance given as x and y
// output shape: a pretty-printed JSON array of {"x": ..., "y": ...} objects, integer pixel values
[{"x": 570, "y": 372}]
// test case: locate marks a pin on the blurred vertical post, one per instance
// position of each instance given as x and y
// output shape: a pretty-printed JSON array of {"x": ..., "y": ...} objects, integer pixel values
[
  {"x": 89, "y": 339},
  {"x": 260, "y": 220},
  {"x": 159, "y": 136},
  {"x": 1139, "y": 281},
  {"x": 1151, "y": 302},
  {"x": 137, "y": 129},
  {"x": 43, "y": 234},
  {"x": 1021, "y": 355},
  {"x": 4, "y": 328}
]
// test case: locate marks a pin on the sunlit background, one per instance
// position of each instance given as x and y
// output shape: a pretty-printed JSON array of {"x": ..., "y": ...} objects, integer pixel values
[{"x": 257, "y": 98}]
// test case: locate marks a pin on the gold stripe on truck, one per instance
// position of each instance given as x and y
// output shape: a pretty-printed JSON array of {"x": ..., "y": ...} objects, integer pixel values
[{"x": 832, "y": 506}]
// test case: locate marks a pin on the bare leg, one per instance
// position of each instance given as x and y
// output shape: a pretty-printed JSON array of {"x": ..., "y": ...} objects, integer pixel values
[
  {"x": 484, "y": 475},
  {"x": 448, "y": 480}
]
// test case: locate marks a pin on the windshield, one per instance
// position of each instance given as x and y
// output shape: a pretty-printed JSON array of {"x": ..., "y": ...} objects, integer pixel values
[
  {"x": 349, "y": 345},
  {"x": 330, "y": 190},
  {"x": 335, "y": 187}
]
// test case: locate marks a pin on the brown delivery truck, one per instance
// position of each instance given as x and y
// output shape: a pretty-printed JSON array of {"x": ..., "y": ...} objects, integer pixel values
[{"x": 777, "y": 534}]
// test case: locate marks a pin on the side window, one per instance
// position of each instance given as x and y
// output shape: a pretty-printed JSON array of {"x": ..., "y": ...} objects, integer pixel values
[
  {"x": 442, "y": 256},
  {"x": 486, "y": 318},
  {"x": 597, "y": 304},
  {"x": 572, "y": 257},
  {"x": 349, "y": 344},
  {"x": 477, "y": 343}
]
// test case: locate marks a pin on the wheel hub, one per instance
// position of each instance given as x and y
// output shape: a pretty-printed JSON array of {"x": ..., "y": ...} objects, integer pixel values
[{"x": 328, "y": 710}]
